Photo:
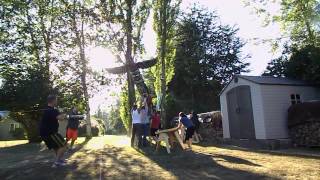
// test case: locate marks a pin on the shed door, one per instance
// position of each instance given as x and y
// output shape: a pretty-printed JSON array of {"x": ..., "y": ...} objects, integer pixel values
[
  {"x": 232, "y": 113},
  {"x": 240, "y": 113}
]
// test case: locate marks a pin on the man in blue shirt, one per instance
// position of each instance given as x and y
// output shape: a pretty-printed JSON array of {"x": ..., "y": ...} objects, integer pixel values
[{"x": 184, "y": 121}]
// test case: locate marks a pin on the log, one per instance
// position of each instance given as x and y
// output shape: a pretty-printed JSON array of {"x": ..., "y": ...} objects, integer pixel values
[
  {"x": 211, "y": 128},
  {"x": 304, "y": 124}
]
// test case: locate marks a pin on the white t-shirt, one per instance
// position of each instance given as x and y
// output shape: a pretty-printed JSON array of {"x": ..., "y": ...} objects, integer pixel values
[{"x": 135, "y": 117}]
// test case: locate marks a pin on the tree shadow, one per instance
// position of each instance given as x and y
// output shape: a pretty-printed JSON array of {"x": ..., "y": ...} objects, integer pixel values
[
  {"x": 308, "y": 153},
  {"x": 234, "y": 160},
  {"x": 79, "y": 146},
  {"x": 196, "y": 165},
  {"x": 17, "y": 148}
]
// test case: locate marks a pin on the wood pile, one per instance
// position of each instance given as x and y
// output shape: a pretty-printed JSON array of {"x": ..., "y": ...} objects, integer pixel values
[
  {"x": 304, "y": 124},
  {"x": 211, "y": 128}
]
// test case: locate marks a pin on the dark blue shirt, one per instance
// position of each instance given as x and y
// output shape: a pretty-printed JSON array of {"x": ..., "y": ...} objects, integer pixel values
[
  {"x": 49, "y": 123},
  {"x": 73, "y": 122},
  {"x": 186, "y": 122}
]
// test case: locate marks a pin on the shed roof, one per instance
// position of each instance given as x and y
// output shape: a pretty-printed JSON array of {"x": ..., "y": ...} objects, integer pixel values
[
  {"x": 269, "y": 80},
  {"x": 274, "y": 80},
  {"x": 4, "y": 113}
]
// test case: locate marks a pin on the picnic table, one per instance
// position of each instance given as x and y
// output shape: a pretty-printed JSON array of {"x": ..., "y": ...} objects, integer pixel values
[{"x": 169, "y": 136}]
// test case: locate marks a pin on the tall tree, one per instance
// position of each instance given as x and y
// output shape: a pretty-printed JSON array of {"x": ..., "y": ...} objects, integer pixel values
[
  {"x": 165, "y": 19},
  {"x": 207, "y": 55},
  {"x": 302, "y": 64},
  {"x": 79, "y": 19},
  {"x": 26, "y": 36},
  {"x": 299, "y": 19}
]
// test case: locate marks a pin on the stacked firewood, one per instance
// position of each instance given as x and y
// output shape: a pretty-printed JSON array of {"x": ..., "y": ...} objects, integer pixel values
[
  {"x": 304, "y": 124},
  {"x": 211, "y": 128},
  {"x": 306, "y": 134}
]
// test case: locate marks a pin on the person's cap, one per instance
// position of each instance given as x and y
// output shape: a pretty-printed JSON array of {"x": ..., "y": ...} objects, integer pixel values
[{"x": 181, "y": 114}]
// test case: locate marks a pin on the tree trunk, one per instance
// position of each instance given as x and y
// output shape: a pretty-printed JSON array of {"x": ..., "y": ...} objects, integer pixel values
[
  {"x": 81, "y": 45},
  {"x": 30, "y": 124},
  {"x": 163, "y": 16},
  {"x": 131, "y": 97},
  {"x": 84, "y": 80},
  {"x": 129, "y": 61}
]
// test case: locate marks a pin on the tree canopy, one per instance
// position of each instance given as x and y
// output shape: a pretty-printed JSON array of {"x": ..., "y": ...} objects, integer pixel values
[
  {"x": 207, "y": 55},
  {"x": 299, "y": 20}
]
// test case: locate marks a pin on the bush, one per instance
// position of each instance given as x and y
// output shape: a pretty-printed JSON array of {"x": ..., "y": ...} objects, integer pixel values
[{"x": 82, "y": 131}]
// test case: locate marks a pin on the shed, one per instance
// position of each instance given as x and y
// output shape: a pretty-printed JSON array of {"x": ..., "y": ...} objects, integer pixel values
[
  {"x": 7, "y": 125},
  {"x": 255, "y": 107}
]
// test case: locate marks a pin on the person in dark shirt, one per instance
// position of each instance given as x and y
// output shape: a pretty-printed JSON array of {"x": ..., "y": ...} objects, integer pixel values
[
  {"x": 49, "y": 126},
  {"x": 73, "y": 125},
  {"x": 184, "y": 121},
  {"x": 195, "y": 120}
]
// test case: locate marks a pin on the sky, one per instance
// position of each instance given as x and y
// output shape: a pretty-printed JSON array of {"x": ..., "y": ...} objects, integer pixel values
[{"x": 231, "y": 12}]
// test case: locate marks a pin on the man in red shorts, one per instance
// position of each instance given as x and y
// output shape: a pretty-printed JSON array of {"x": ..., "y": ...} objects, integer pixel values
[{"x": 73, "y": 125}]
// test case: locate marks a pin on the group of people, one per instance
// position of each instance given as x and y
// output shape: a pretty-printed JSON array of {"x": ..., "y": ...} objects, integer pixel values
[
  {"x": 49, "y": 126},
  {"x": 145, "y": 120}
]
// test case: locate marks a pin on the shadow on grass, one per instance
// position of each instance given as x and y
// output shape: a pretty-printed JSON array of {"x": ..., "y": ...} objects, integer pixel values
[
  {"x": 26, "y": 161},
  {"x": 293, "y": 152},
  {"x": 19, "y": 147},
  {"x": 195, "y": 165},
  {"x": 81, "y": 145}
]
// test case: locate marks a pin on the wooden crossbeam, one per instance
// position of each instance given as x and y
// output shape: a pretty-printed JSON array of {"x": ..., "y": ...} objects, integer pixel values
[{"x": 167, "y": 136}]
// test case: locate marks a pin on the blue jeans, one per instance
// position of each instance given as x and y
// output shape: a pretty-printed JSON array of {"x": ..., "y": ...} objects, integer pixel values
[
  {"x": 137, "y": 131},
  {"x": 145, "y": 133}
]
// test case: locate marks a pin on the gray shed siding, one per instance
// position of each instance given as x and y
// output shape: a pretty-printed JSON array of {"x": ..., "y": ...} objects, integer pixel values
[
  {"x": 257, "y": 108},
  {"x": 5, "y": 129},
  {"x": 276, "y": 101}
]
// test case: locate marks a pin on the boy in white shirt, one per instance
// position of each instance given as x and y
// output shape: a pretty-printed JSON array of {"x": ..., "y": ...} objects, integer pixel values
[{"x": 136, "y": 125}]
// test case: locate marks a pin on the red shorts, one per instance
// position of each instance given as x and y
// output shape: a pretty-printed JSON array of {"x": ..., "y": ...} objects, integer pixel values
[{"x": 72, "y": 134}]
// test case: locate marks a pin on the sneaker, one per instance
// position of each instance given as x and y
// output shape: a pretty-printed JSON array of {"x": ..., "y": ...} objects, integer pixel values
[
  {"x": 55, "y": 165},
  {"x": 58, "y": 164},
  {"x": 71, "y": 150},
  {"x": 63, "y": 161}
]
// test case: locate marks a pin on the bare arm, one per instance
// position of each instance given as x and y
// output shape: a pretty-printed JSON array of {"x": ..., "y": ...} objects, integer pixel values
[
  {"x": 180, "y": 125},
  {"x": 62, "y": 117}
]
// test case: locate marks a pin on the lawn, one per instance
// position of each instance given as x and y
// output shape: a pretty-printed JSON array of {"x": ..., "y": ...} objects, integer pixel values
[{"x": 110, "y": 157}]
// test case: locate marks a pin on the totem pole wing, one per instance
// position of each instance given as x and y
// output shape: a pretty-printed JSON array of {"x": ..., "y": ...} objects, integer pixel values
[
  {"x": 139, "y": 65},
  {"x": 146, "y": 64}
]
